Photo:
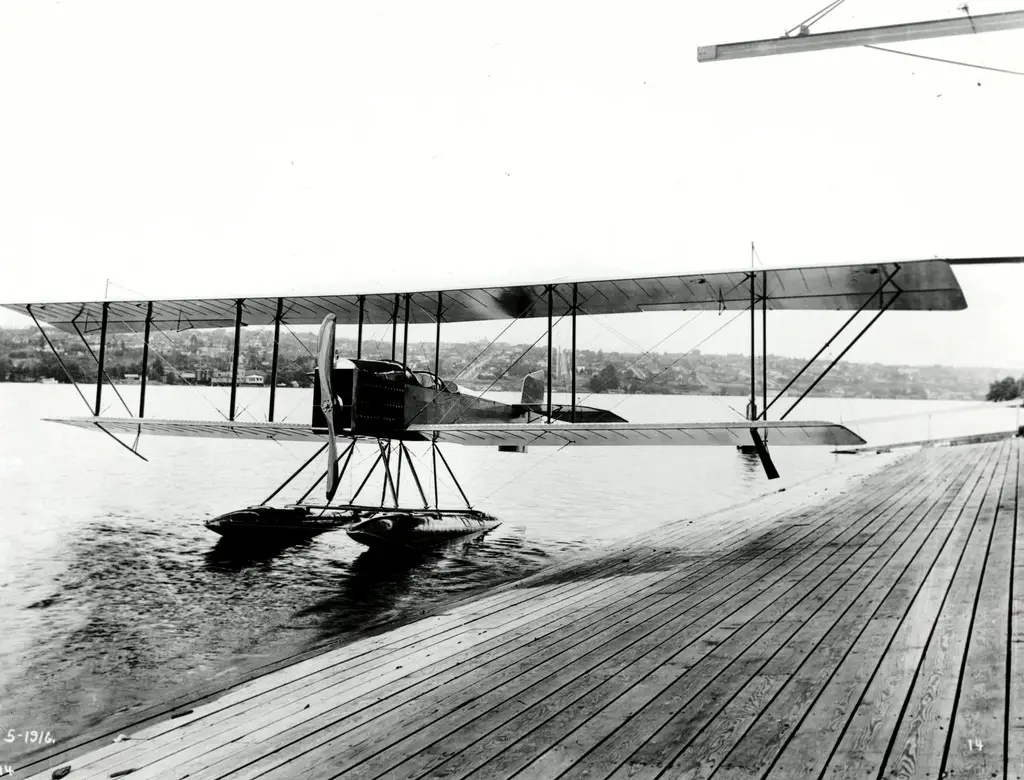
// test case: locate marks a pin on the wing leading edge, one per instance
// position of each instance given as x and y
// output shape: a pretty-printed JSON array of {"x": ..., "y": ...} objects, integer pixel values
[{"x": 786, "y": 433}]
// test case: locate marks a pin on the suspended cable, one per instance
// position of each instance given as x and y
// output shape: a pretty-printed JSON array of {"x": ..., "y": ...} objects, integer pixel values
[{"x": 945, "y": 61}]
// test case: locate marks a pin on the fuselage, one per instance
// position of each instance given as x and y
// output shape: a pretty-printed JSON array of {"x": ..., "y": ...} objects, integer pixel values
[{"x": 383, "y": 398}]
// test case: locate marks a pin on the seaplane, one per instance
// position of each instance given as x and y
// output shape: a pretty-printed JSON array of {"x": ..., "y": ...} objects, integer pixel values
[{"x": 387, "y": 403}]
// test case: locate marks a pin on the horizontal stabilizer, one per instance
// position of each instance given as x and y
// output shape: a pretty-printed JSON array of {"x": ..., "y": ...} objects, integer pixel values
[{"x": 534, "y": 434}]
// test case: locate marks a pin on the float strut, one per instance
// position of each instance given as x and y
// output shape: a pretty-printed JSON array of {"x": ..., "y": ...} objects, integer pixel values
[
  {"x": 296, "y": 473},
  {"x": 454, "y": 478}
]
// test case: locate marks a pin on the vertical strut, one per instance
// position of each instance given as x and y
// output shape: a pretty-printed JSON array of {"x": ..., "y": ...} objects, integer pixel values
[
  {"x": 102, "y": 357},
  {"x": 549, "y": 356},
  {"x": 145, "y": 360},
  {"x": 572, "y": 366},
  {"x": 394, "y": 327},
  {"x": 752, "y": 407},
  {"x": 405, "y": 340},
  {"x": 274, "y": 358},
  {"x": 764, "y": 344},
  {"x": 398, "y": 474},
  {"x": 433, "y": 456},
  {"x": 234, "y": 359},
  {"x": 437, "y": 338},
  {"x": 359, "y": 336}
]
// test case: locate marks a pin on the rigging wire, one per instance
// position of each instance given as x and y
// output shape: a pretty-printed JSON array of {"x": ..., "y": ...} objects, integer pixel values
[
  {"x": 715, "y": 332},
  {"x": 498, "y": 378},
  {"x": 945, "y": 61},
  {"x": 805, "y": 26}
]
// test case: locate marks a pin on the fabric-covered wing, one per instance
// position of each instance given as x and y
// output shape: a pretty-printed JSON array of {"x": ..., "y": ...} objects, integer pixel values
[
  {"x": 217, "y": 429},
  {"x": 589, "y": 434},
  {"x": 922, "y": 285},
  {"x": 641, "y": 434}
]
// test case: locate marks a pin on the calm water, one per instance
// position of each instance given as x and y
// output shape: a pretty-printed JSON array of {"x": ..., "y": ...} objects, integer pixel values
[{"x": 115, "y": 596}]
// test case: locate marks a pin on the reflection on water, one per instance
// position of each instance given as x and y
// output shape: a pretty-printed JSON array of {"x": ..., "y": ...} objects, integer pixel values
[{"x": 114, "y": 595}]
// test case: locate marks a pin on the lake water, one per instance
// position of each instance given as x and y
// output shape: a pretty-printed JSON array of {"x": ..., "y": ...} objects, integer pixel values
[{"x": 115, "y": 596}]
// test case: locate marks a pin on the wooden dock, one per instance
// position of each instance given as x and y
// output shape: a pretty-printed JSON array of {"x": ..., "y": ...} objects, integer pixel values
[{"x": 864, "y": 624}]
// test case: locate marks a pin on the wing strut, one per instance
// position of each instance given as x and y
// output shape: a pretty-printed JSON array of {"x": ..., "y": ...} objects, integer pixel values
[
  {"x": 762, "y": 452},
  {"x": 880, "y": 291}
]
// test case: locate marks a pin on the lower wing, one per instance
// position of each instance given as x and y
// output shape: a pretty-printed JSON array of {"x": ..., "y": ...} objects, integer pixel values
[{"x": 505, "y": 434}]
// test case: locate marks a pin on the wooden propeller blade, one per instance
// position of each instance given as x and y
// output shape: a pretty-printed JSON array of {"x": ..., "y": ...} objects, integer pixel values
[{"x": 325, "y": 364}]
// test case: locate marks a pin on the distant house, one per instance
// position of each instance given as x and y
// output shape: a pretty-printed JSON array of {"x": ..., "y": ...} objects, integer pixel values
[{"x": 254, "y": 379}]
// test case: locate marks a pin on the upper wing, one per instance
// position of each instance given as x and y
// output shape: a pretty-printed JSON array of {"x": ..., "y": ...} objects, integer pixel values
[
  {"x": 592, "y": 434},
  {"x": 922, "y": 285}
]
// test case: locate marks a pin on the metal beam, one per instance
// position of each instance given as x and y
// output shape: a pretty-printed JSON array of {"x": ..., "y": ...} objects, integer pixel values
[
  {"x": 864, "y": 36},
  {"x": 234, "y": 360},
  {"x": 274, "y": 358}
]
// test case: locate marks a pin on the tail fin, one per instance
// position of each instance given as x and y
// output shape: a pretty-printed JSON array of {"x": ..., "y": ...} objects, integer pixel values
[{"x": 534, "y": 387}]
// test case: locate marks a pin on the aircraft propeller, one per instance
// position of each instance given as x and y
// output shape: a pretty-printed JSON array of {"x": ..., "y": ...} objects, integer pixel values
[{"x": 325, "y": 364}]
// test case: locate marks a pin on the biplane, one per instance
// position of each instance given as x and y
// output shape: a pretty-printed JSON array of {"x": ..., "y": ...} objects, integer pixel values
[{"x": 387, "y": 402}]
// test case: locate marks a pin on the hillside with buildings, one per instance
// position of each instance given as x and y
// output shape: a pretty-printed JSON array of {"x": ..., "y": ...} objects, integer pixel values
[{"x": 206, "y": 358}]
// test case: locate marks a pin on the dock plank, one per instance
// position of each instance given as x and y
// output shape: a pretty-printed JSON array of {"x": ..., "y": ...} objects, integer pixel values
[
  {"x": 854, "y": 643},
  {"x": 860, "y": 706},
  {"x": 607, "y": 739},
  {"x": 171, "y": 739},
  {"x": 1015, "y": 646},
  {"x": 380, "y": 733},
  {"x": 976, "y": 746},
  {"x": 671, "y": 661},
  {"x": 743, "y": 737},
  {"x": 918, "y": 747},
  {"x": 870, "y": 621}
]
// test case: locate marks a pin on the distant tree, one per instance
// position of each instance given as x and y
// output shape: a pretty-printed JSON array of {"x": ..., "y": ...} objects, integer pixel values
[
  {"x": 604, "y": 380},
  {"x": 1005, "y": 389},
  {"x": 156, "y": 370}
]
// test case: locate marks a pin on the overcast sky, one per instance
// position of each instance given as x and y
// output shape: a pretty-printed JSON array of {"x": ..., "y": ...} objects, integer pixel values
[{"x": 197, "y": 148}]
